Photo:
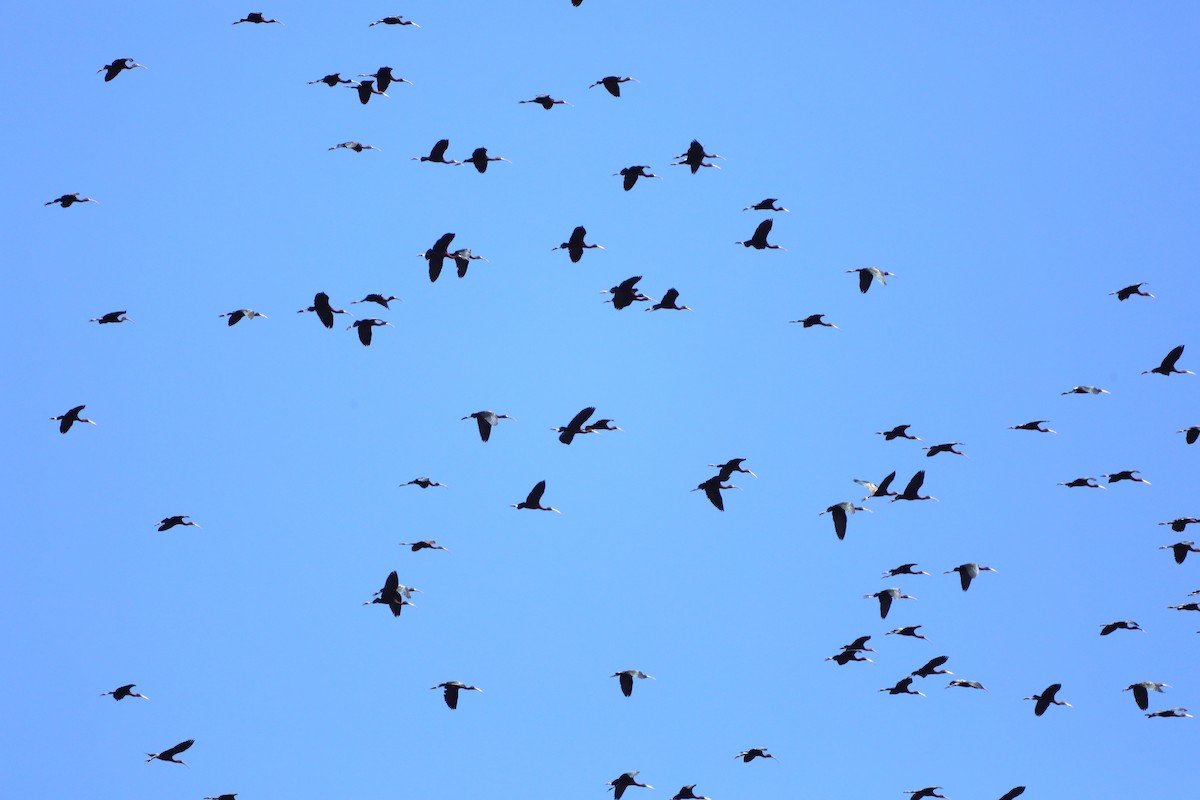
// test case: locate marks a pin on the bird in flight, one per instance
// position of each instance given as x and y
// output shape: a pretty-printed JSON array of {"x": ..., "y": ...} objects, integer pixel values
[
  {"x": 437, "y": 255},
  {"x": 759, "y": 240},
  {"x": 966, "y": 684},
  {"x": 867, "y": 275},
  {"x": 1086, "y": 390},
  {"x": 668, "y": 302},
  {"x": 910, "y": 630},
  {"x": 911, "y": 490},
  {"x": 1181, "y": 550},
  {"x": 878, "y": 490},
  {"x": 384, "y": 78},
  {"x": 814, "y": 319},
  {"x": 613, "y": 84},
  {"x": 377, "y": 298},
  {"x": 631, "y": 174},
  {"x": 1190, "y": 434},
  {"x": 167, "y": 523},
  {"x": 534, "y": 499},
  {"x": 1124, "y": 624},
  {"x": 694, "y": 158},
  {"x": 169, "y": 755},
  {"x": 903, "y": 686},
  {"x": 111, "y": 317},
  {"x": 331, "y": 80},
  {"x": 1170, "y": 712},
  {"x": 840, "y": 512},
  {"x": 121, "y": 692},
  {"x": 627, "y": 677},
  {"x": 365, "y": 90},
  {"x": 242, "y": 313},
  {"x": 968, "y": 572},
  {"x": 1167, "y": 367},
  {"x": 1125, "y": 475},
  {"x": 947, "y": 447},
  {"x": 731, "y": 466},
  {"x": 1036, "y": 425},
  {"x": 323, "y": 309},
  {"x": 898, "y": 432},
  {"x": 438, "y": 154},
  {"x": 68, "y": 200},
  {"x": 620, "y": 784},
  {"x": 1083, "y": 483},
  {"x": 257, "y": 18},
  {"x": 423, "y": 483},
  {"x": 766, "y": 205},
  {"x": 904, "y": 569},
  {"x": 1141, "y": 692},
  {"x": 931, "y": 668},
  {"x": 70, "y": 418},
  {"x": 480, "y": 158},
  {"x": 575, "y": 245},
  {"x": 1130, "y": 291},
  {"x": 393, "y": 21},
  {"x": 117, "y": 66},
  {"x": 366, "y": 328},
  {"x": 424, "y": 544},
  {"x": 568, "y": 432},
  {"x": 626, "y": 294},
  {"x": 546, "y": 101},
  {"x": 1047, "y": 698},
  {"x": 451, "y": 690},
  {"x": 393, "y": 594},
  {"x": 357, "y": 147},
  {"x": 754, "y": 752},
  {"x": 886, "y": 597},
  {"x": 486, "y": 420},
  {"x": 712, "y": 490}
]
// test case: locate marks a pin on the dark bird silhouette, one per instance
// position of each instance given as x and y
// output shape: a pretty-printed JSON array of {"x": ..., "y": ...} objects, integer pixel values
[
  {"x": 694, "y": 158},
  {"x": 904, "y": 569},
  {"x": 1125, "y": 475},
  {"x": 619, "y": 785},
  {"x": 438, "y": 154},
  {"x": 480, "y": 158},
  {"x": 1130, "y": 291},
  {"x": 257, "y": 18},
  {"x": 846, "y": 656},
  {"x": 1180, "y": 523},
  {"x": 931, "y": 668},
  {"x": 423, "y": 483},
  {"x": 365, "y": 90},
  {"x": 391, "y": 595},
  {"x": 928, "y": 791},
  {"x": 111, "y": 317},
  {"x": 357, "y": 147},
  {"x": 323, "y": 309},
  {"x": 424, "y": 544},
  {"x": 867, "y": 275},
  {"x": 437, "y": 255},
  {"x": 1167, "y": 367},
  {"x": 840, "y": 513},
  {"x": 534, "y": 499},
  {"x": 377, "y": 298},
  {"x": 366, "y": 328},
  {"x": 121, "y": 692},
  {"x": 331, "y": 80},
  {"x": 859, "y": 644},
  {"x": 765, "y": 205},
  {"x": 1013, "y": 793},
  {"x": 754, "y": 752},
  {"x": 169, "y": 755},
  {"x": 968, "y": 572},
  {"x": 910, "y": 630},
  {"x": 1141, "y": 692},
  {"x": 223, "y": 797},
  {"x": 70, "y": 418},
  {"x": 546, "y": 101},
  {"x": 451, "y": 690},
  {"x": 686, "y": 793},
  {"x": 1170, "y": 712},
  {"x": 668, "y": 302},
  {"x": 1181, "y": 549},
  {"x": 601, "y": 425},
  {"x": 242, "y": 313},
  {"x": 759, "y": 240},
  {"x": 626, "y": 679},
  {"x": 966, "y": 684},
  {"x": 814, "y": 319},
  {"x": 170, "y": 522},
  {"x": 117, "y": 66},
  {"x": 486, "y": 420},
  {"x": 626, "y": 294},
  {"x": 575, "y": 245},
  {"x": 568, "y": 432},
  {"x": 1190, "y": 434},
  {"x": 1086, "y": 390},
  {"x": 1083, "y": 483},
  {"x": 1124, "y": 624},
  {"x": 631, "y": 174},
  {"x": 1047, "y": 698},
  {"x": 712, "y": 490},
  {"x": 1186, "y": 607},
  {"x": 731, "y": 466},
  {"x": 947, "y": 447},
  {"x": 886, "y": 597},
  {"x": 462, "y": 260},
  {"x": 613, "y": 84},
  {"x": 68, "y": 200},
  {"x": 911, "y": 490},
  {"x": 1032, "y": 426},
  {"x": 882, "y": 489},
  {"x": 393, "y": 21},
  {"x": 898, "y": 432},
  {"x": 903, "y": 686}
]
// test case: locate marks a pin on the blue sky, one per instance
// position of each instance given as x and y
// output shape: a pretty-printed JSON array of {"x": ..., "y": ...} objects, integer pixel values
[{"x": 1011, "y": 165}]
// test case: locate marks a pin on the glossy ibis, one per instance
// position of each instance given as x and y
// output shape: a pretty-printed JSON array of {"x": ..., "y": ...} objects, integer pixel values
[
  {"x": 840, "y": 512},
  {"x": 1170, "y": 712},
  {"x": 909, "y": 630},
  {"x": 365, "y": 90},
  {"x": 257, "y": 18},
  {"x": 712, "y": 490},
  {"x": 423, "y": 483},
  {"x": 546, "y": 101},
  {"x": 323, "y": 309},
  {"x": 462, "y": 260},
  {"x": 903, "y": 686},
  {"x": 694, "y": 158},
  {"x": 366, "y": 328},
  {"x": 898, "y": 432},
  {"x": 534, "y": 500},
  {"x": 859, "y": 644},
  {"x": 731, "y": 466},
  {"x": 1036, "y": 425},
  {"x": 424, "y": 544},
  {"x": 121, "y": 692},
  {"x": 759, "y": 240},
  {"x": 620, "y": 784},
  {"x": 331, "y": 80},
  {"x": 1190, "y": 434},
  {"x": 391, "y": 595},
  {"x": 911, "y": 490},
  {"x": 868, "y": 275},
  {"x": 1047, "y": 698},
  {"x": 1167, "y": 367},
  {"x": 117, "y": 66},
  {"x": 1179, "y": 524},
  {"x": 754, "y": 752},
  {"x": 357, "y": 147},
  {"x": 928, "y": 791},
  {"x": 846, "y": 656},
  {"x": 437, "y": 255},
  {"x": 1141, "y": 692},
  {"x": 668, "y": 302},
  {"x": 947, "y": 447},
  {"x": 631, "y": 175},
  {"x": 169, "y": 755},
  {"x": 393, "y": 21},
  {"x": 111, "y": 317},
  {"x": 625, "y": 293},
  {"x": 885, "y": 598},
  {"x": 167, "y": 523},
  {"x": 613, "y": 84},
  {"x": 1082, "y": 483},
  {"x": 1124, "y": 624},
  {"x": 68, "y": 200},
  {"x": 626, "y": 679},
  {"x": 765, "y": 205},
  {"x": 968, "y": 572},
  {"x": 480, "y": 158},
  {"x": 1130, "y": 291},
  {"x": 1125, "y": 475},
  {"x": 438, "y": 154},
  {"x": 1181, "y": 549},
  {"x": 882, "y": 489},
  {"x": 931, "y": 668},
  {"x": 687, "y": 792},
  {"x": 601, "y": 425},
  {"x": 575, "y": 245},
  {"x": 966, "y": 684},
  {"x": 568, "y": 432},
  {"x": 377, "y": 298},
  {"x": 904, "y": 569},
  {"x": 70, "y": 418},
  {"x": 814, "y": 319},
  {"x": 486, "y": 420},
  {"x": 451, "y": 690},
  {"x": 235, "y": 317},
  {"x": 1086, "y": 390}
]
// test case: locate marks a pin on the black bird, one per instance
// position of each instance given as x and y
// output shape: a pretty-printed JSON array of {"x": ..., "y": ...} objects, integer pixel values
[
  {"x": 1181, "y": 549},
  {"x": 1170, "y": 712},
  {"x": 631, "y": 174},
  {"x": 438, "y": 154},
  {"x": 754, "y": 752},
  {"x": 223, "y": 797},
  {"x": 462, "y": 260},
  {"x": 859, "y": 644},
  {"x": 366, "y": 328},
  {"x": 365, "y": 90},
  {"x": 534, "y": 499},
  {"x": 904, "y": 569},
  {"x": 627, "y": 679},
  {"x": 1180, "y": 523},
  {"x": 452, "y": 688},
  {"x": 546, "y": 101},
  {"x": 169, "y": 755},
  {"x": 613, "y": 84},
  {"x": 878, "y": 490},
  {"x": 424, "y": 544},
  {"x": 170, "y": 522},
  {"x": 814, "y": 319},
  {"x": 1141, "y": 692},
  {"x": 694, "y": 158},
  {"x": 1124, "y": 624},
  {"x": 323, "y": 309},
  {"x": 436, "y": 255},
  {"x": 242, "y": 313},
  {"x": 712, "y": 490},
  {"x": 1036, "y": 425},
  {"x": 357, "y": 147},
  {"x": 568, "y": 432},
  {"x": 866, "y": 275},
  {"x": 257, "y": 18},
  {"x": 575, "y": 245},
  {"x": 70, "y": 418},
  {"x": 931, "y": 668},
  {"x": 622, "y": 783},
  {"x": 968, "y": 572},
  {"x": 393, "y": 21},
  {"x": 1083, "y": 483},
  {"x": 1190, "y": 434},
  {"x": 840, "y": 513},
  {"x": 331, "y": 80},
  {"x": 966, "y": 684},
  {"x": 903, "y": 686},
  {"x": 602, "y": 425},
  {"x": 114, "y": 69},
  {"x": 625, "y": 293},
  {"x": 886, "y": 597},
  {"x": 384, "y": 78},
  {"x": 1046, "y": 698},
  {"x": 68, "y": 200},
  {"x": 1130, "y": 291},
  {"x": 1086, "y": 390},
  {"x": 391, "y": 595},
  {"x": 110, "y": 317},
  {"x": 1125, "y": 475},
  {"x": 423, "y": 483},
  {"x": 1013, "y": 793},
  {"x": 686, "y": 793},
  {"x": 668, "y": 302},
  {"x": 947, "y": 447},
  {"x": 1167, "y": 366},
  {"x": 377, "y": 298},
  {"x": 898, "y": 432},
  {"x": 121, "y": 692},
  {"x": 486, "y": 420},
  {"x": 910, "y": 630},
  {"x": 731, "y": 466},
  {"x": 928, "y": 791},
  {"x": 846, "y": 656},
  {"x": 765, "y": 205},
  {"x": 911, "y": 490},
  {"x": 759, "y": 240},
  {"x": 480, "y": 158},
  {"x": 1187, "y": 607}
]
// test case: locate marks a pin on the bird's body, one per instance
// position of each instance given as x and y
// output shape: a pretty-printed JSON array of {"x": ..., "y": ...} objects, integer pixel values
[
  {"x": 1186, "y": 607},
  {"x": 376, "y": 298},
  {"x": 167, "y": 523},
  {"x": 712, "y": 490},
  {"x": 437, "y": 154},
  {"x": 687, "y": 792},
  {"x": 568, "y": 432},
  {"x": 631, "y": 175},
  {"x": 601, "y": 425},
  {"x": 111, "y": 317},
  {"x": 258, "y": 19},
  {"x": 1130, "y": 291},
  {"x": 1170, "y": 712},
  {"x": 437, "y": 255},
  {"x": 121, "y": 692},
  {"x": 1141, "y": 692},
  {"x": 910, "y": 630},
  {"x": 668, "y": 302},
  {"x": 1179, "y": 524},
  {"x": 424, "y": 544},
  {"x": 968, "y": 572},
  {"x": 393, "y": 21},
  {"x": 898, "y": 432},
  {"x": 928, "y": 791},
  {"x": 1167, "y": 367},
  {"x": 392, "y": 594},
  {"x": 480, "y": 158},
  {"x": 903, "y": 686},
  {"x": 613, "y": 84},
  {"x": 1124, "y": 624},
  {"x": 694, "y": 158},
  {"x": 169, "y": 755},
  {"x": 765, "y": 205},
  {"x": 868, "y": 275},
  {"x": 1047, "y": 698},
  {"x": 68, "y": 200},
  {"x": 1082, "y": 483},
  {"x": 1086, "y": 390},
  {"x": 1125, "y": 475},
  {"x": 626, "y": 679},
  {"x": 620, "y": 784},
  {"x": 840, "y": 513},
  {"x": 947, "y": 447},
  {"x": 886, "y": 597},
  {"x": 365, "y": 90},
  {"x": 913, "y": 488},
  {"x": 882, "y": 489},
  {"x": 1190, "y": 435},
  {"x": 462, "y": 260},
  {"x": 575, "y": 245},
  {"x": 846, "y": 656},
  {"x": 759, "y": 240},
  {"x": 331, "y": 80},
  {"x": 451, "y": 690},
  {"x": 534, "y": 499},
  {"x": 904, "y": 569},
  {"x": 731, "y": 466},
  {"x": 754, "y": 752},
  {"x": 366, "y": 328},
  {"x": 423, "y": 483},
  {"x": 117, "y": 67},
  {"x": 966, "y": 684},
  {"x": 859, "y": 644},
  {"x": 1035, "y": 425},
  {"x": 323, "y": 309},
  {"x": 814, "y": 319},
  {"x": 486, "y": 420},
  {"x": 70, "y": 418},
  {"x": 626, "y": 293},
  {"x": 931, "y": 667},
  {"x": 235, "y": 317},
  {"x": 546, "y": 101},
  {"x": 357, "y": 147},
  {"x": 1181, "y": 549}
]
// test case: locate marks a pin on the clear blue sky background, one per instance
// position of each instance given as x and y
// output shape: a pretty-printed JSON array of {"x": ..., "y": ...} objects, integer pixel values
[{"x": 1012, "y": 165}]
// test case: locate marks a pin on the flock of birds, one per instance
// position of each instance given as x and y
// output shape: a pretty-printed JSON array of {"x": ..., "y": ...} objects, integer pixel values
[{"x": 395, "y": 595}]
